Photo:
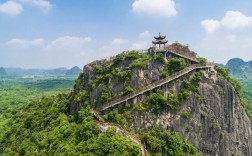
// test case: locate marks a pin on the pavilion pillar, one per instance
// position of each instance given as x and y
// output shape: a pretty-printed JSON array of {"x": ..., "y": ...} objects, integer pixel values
[{"x": 159, "y": 43}]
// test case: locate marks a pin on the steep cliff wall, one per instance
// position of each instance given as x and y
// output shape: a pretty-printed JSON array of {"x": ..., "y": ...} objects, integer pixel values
[
  {"x": 217, "y": 123},
  {"x": 211, "y": 118}
]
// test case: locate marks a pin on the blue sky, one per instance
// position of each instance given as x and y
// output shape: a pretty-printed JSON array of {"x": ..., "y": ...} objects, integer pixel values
[{"x": 63, "y": 33}]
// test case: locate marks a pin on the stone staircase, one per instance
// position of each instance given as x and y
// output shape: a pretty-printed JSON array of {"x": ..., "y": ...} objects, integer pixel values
[{"x": 152, "y": 86}]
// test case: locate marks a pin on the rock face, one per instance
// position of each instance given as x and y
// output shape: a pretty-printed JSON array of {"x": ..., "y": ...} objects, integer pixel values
[
  {"x": 138, "y": 78},
  {"x": 218, "y": 124}
]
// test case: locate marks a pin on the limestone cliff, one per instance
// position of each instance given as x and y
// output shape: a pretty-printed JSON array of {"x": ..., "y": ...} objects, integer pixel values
[
  {"x": 218, "y": 124},
  {"x": 212, "y": 118}
]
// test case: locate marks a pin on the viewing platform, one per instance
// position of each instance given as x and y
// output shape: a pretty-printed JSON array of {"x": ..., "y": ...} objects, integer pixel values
[{"x": 175, "y": 49}]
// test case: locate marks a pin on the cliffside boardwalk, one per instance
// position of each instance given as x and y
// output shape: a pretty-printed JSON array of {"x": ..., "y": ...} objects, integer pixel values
[
  {"x": 153, "y": 86},
  {"x": 159, "y": 40},
  {"x": 182, "y": 56}
]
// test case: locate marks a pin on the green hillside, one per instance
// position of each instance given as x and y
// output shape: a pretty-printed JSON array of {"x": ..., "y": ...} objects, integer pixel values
[
  {"x": 242, "y": 72},
  {"x": 45, "y": 126}
]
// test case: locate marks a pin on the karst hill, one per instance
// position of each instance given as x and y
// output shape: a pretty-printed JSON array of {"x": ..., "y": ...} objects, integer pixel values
[
  {"x": 162, "y": 101},
  {"x": 169, "y": 90}
]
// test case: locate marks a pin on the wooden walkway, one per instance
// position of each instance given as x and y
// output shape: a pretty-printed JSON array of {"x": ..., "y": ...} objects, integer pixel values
[
  {"x": 152, "y": 86},
  {"x": 177, "y": 54}
]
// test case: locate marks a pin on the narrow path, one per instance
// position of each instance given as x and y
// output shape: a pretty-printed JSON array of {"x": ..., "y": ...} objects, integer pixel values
[
  {"x": 96, "y": 115},
  {"x": 153, "y": 86},
  {"x": 104, "y": 126},
  {"x": 183, "y": 56}
]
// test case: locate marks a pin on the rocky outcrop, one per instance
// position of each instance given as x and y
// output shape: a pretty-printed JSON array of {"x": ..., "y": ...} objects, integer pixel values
[
  {"x": 218, "y": 124},
  {"x": 139, "y": 78}
]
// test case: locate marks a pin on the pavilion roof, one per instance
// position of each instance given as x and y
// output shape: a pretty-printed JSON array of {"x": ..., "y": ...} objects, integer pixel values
[
  {"x": 160, "y": 37},
  {"x": 160, "y": 42}
]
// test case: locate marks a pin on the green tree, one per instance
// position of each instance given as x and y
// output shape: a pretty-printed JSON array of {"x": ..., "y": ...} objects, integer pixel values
[{"x": 176, "y": 64}]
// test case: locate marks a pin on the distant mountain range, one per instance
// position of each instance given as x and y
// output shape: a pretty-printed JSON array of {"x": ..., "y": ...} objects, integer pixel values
[
  {"x": 26, "y": 73},
  {"x": 237, "y": 65}
]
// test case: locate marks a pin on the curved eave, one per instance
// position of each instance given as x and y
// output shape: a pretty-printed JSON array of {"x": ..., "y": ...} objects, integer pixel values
[
  {"x": 160, "y": 42},
  {"x": 159, "y": 37}
]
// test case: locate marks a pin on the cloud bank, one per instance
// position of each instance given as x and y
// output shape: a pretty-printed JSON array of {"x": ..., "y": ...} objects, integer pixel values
[
  {"x": 14, "y": 8},
  {"x": 163, "y": 8},
  {"x": 25, "y": 43},
  {"x": 11, "y": 8},
  {"x": 42, "y": 4},
  {"x": 231, "y": 20}
]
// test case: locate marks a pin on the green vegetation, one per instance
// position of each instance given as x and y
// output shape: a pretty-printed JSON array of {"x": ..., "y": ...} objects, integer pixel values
[
  {"x": 173, "y": 65},
  {"x": 139, "y": 59},
  {"x": 224, "y": 74},
  {"x": 214, "y": 125},
  {"x": 127, "y": 90},
  {"x": 122, "y": 75},
  {"x": 43, "y": 127},
  {"x": 16, "y": 93},
  {"x": 167, "y": 142},
  {"x": 29, "y": 126},
  {"x": 188, "y": 129},
  {"x": 186, "y": 115},
  {"x": 245, "y": 81},
  {"x": 159, "y": 57},
  {"x": 202, "y": 60},
  {"x": 176, "y": 64},
  {"x": 222, "y": 134},
  {"x": 47, "y": 127},
  {"x": 113, "y": 69},
  {"x": 120, "y": 116},
  {"x": 158, "y": 103},
  {"x": 181, "y": 46}
]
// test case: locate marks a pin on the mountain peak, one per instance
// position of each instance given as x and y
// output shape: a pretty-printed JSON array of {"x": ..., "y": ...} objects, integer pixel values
[{"x": 238, "y": 65}]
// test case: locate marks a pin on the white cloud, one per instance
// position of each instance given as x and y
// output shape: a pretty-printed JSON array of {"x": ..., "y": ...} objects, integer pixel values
[
  {"x": 140, "y": 45},
  {"x": 69, "y": 42},
  {"x": 115, "y": 46},
  {"x": 235, "y": 19},
  {"x": 143, "y": 42},
  {"x": 118, "y": 42},
  {"x": 42, "y": 4},
  {"x": 66, "y": 43},
  {"x": 165, "y": 8},
  {"x": 145, "y": 34},
  {"x": 64, "y": 51},
  {"x": 25, "y": 43},
  {"x": 221, "y": 47},
  {"x": 210, "y": 25},
  {"x": 231, "y": 20},
  {"x": 11, "y": 7}
]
